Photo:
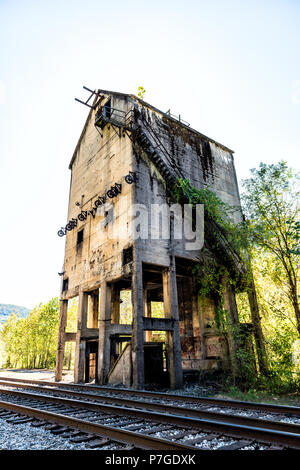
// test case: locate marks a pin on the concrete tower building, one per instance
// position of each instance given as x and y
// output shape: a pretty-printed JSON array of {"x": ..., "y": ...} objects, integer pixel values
[{"x": 128, "y": 156}]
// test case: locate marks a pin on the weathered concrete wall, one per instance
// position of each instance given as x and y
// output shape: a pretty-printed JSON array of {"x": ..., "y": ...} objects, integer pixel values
[
  {"x": 99, "y": 163},
  {"x": 121, "y": 371},
  {"x": 200, "y": 159},
  {"x": 203, "y": 162}
]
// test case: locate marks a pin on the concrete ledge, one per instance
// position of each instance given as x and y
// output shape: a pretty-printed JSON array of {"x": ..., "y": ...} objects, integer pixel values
[
  {"x": 70, "y": 336},
  {"x": 117, "y": 329},
  {"x": 158, "y": 324}
]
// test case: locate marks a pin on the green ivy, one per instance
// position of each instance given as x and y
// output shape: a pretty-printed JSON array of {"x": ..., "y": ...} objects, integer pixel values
[
  {"x": 215, "y": 208},
  {"x": 208, "y": 277},
  {"x": 218, "y": 211},
  {"x": 209, "y": 273}
]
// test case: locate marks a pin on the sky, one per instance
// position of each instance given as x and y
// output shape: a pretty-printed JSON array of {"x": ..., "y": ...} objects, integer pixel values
[{"x": 229, "y": 67}]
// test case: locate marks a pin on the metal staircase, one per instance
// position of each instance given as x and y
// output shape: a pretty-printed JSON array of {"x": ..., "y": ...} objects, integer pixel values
[{"x": 142, "y": 134}]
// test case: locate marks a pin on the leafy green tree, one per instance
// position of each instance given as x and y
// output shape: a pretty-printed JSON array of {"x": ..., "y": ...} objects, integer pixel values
[
  {"x": 271, "y": 207},
  {"x": 31, "y": 342},
  {"x": 125, "y": 307},
  {"x": 71, "y": 327},
  {"x": 278, "y": 323}
]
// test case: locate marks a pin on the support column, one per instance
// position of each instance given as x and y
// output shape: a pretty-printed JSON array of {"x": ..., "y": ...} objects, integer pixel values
[
  {"x": 80, "y": 345},
  {"x": 115, "y": 304},
  {"x": 147, "y": 310},
  {"x": 137, "y": 343},
  {"x": 171, "y": 311},
  {"x": 61, "y": 340},
  {"x": 104, "y": 341},
  {"x": 231, "y": 307},
  {"x": 93, "y": 309},
  {"x": 230, "y": 303},
  {"x": 200, "y": 306},
  {"x": 258, "y": 334},
  {"x": 196, "y": 326}
]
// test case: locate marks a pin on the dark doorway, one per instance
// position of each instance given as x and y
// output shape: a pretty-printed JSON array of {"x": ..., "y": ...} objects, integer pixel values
[
  {"x": 154, "y": 363},
  {"x": 107, "y": 109}
]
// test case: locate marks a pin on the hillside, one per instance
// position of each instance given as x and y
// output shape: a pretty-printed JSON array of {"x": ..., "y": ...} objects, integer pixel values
[{"x": 8, "y": 309}]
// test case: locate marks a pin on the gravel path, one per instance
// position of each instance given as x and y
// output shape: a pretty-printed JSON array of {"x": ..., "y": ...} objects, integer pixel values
[{"x": 39, "y": 374}]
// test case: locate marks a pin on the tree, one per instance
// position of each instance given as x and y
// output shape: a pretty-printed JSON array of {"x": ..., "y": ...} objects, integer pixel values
[
  {"x": 141, "y": 92},
  {"x": 31, "y": 342},
  {"x": 271, "y": 207}
]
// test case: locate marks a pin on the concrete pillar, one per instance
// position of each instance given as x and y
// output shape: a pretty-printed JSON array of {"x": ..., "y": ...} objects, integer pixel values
[
  {"x": 80, "y": 345},
  {"x": 115, "y": 304},
  {"x": 196, "y": 327},
  {"x": 258, "y": 333},
  {"x": 137, "y": 343},
  {"x": 233, "y": 320},
  {"x": 173, "y": 338},
  {"x": 230, "y": 303},
  {"x": 104, "y": 341},
  {"x": 61, "y": 340},
  {"x": 200, "y": 306},
  {"x": 147, "y": 310},
  {"x": 93, "y": 309}
]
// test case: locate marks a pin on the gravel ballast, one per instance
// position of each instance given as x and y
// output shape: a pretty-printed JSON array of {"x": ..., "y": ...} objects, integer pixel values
[{"x": 26, "y": 437}]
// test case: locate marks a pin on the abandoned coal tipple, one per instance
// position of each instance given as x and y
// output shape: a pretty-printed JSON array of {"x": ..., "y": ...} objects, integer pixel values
[{"x": 128, "y": 156}]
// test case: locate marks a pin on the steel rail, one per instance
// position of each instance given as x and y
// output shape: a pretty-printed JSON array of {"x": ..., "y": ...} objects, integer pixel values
[
  {"x": 116, "y": 434},
  {"x": 269, "y": 436},
  {"x": 222, "y": 402},
  {"x": 165, "y": 408}
]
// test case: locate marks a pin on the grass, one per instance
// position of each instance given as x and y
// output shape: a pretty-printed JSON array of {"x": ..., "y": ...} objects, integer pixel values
[{"x": 260, "y": 396}]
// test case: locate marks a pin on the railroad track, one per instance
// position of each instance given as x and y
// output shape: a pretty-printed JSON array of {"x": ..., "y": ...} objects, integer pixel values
[{"x": 148, "y": 420}]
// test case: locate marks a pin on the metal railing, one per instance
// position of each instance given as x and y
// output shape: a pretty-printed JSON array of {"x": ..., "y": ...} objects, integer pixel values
[
  {"x": 117, "y": 117},
  {"x": 177, "y": 118},
  {"x": 107, "y": 114}
]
